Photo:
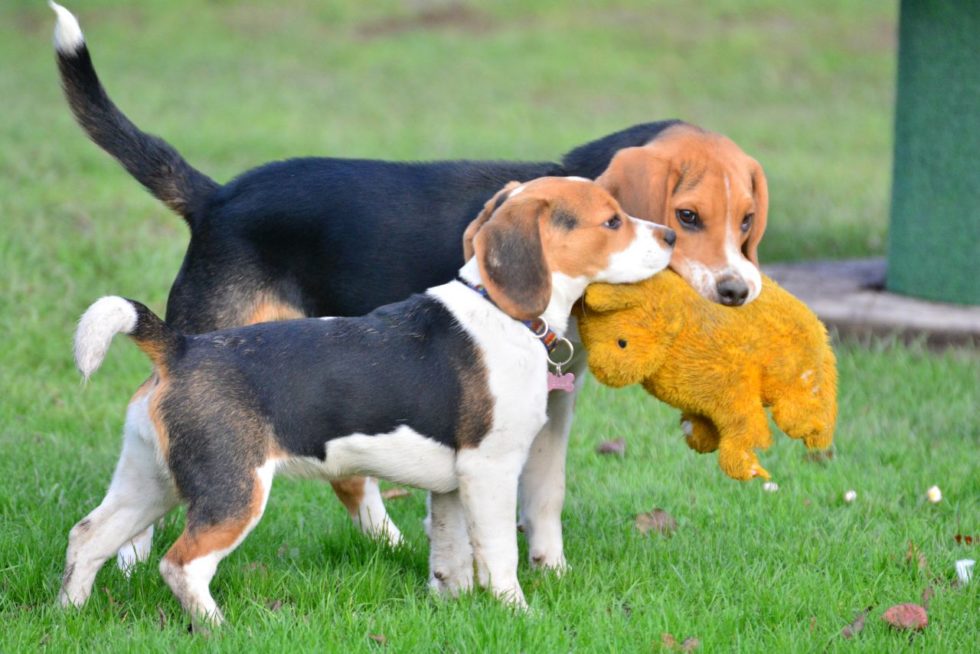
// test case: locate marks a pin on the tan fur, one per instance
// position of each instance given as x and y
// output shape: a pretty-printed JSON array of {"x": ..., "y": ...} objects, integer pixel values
[
  {"x": 685, "y": 167},
  {"x": 270, "y": 309},
  {"x": 719, "y": 365}
]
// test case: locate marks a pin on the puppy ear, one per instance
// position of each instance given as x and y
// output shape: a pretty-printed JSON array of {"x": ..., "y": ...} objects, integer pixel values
[
  {"x": 492, "y": 205},
  {"x": 612, "y": 297},
  {"x": 760, "y": 191},
  {"x": 640, "y": 179},
  {"x": 511, "y": 259}
]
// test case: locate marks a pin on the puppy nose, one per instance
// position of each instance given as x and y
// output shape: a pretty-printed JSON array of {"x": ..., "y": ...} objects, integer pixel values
[
  {"x": 670, "y": 237},
  {"x": 732, "y": 291}
]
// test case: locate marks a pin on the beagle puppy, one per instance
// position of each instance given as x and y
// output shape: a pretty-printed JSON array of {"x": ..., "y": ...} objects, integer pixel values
[
  {"x": 711, "y": 193},
  {"x": 445, "y": 391},
  {"x": 326, "y": 236}
]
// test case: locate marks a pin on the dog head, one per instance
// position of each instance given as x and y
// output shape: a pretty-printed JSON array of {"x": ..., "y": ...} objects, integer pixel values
[
  {"x": 712, "y": 194},
  {"x": 556, "y": 234}
]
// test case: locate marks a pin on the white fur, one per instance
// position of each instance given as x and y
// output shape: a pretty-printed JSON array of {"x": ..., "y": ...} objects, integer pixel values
[
  {"x": 67, "y": 33},
  {"x": 106, "y": 317},
  {"x": 644, "y": 257},
  {"x": 738, "y": 265},
  {"x": 372, "y": 517}
]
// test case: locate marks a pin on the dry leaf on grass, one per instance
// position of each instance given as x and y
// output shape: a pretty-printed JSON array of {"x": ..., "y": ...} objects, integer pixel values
[
  {"x": 274, "y": 605},
  {"x": 906, "y": 616},
  {"x": 617, "y": 447},
  {"x": 853, "y": 629},
  {"x": 669, "y": 643},
  {"x": 395, "y": 493},
  {"x": 658, "y": 521},
  {"x": 927, "y": 595},
  {"x": 914, "y": 556},
  {"x": 378, "y": 638}
]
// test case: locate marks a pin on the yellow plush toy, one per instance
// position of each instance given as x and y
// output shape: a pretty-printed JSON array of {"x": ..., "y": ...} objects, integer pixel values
[{"x": 719, "y": 365}]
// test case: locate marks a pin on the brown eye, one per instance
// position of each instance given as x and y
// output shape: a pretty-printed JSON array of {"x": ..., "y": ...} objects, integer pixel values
[
  {"x": 747, "y": 222},
  {"x": 613, "y": 223},
  {"x": 622, "y": 343},
  {"x": 688, "y": 219}
]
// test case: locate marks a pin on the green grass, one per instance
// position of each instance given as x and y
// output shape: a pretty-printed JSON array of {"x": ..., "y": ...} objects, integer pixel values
[{"x": 806, "y": 88}]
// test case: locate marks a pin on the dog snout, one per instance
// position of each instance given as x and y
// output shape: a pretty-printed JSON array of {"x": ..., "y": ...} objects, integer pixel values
[
  {"x": 732, "y": 291},
  {"x": 669, "y": 237}
]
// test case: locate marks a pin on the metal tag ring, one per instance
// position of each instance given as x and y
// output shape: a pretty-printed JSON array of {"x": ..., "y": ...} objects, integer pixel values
[
  {"x": 544, "y": 329},
  {"x": 571, "y": 353}
]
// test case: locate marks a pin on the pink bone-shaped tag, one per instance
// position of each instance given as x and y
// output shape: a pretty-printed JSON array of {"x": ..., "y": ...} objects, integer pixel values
[{"x": 564, "y": 382}]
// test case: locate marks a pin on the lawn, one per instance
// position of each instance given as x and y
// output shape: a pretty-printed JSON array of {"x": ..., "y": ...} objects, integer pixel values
[{"x": 806, "y": 88}]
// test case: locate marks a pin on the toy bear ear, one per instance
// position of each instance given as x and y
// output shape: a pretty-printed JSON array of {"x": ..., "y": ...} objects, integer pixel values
[{"x": 612, "y": 297}]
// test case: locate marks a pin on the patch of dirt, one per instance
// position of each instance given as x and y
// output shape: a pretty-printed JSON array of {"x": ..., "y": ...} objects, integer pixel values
[{"x": 452, "y": 16}]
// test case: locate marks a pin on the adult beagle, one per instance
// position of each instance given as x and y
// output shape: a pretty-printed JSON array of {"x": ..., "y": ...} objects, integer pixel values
[
  {"x": 326, "y": 236},
  {"x": 445, "y": 391}
]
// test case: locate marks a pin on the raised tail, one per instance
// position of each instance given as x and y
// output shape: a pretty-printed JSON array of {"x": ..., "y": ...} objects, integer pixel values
[
  {"x": 112, "y": 315},
  {"x": 152, "y": 161}
]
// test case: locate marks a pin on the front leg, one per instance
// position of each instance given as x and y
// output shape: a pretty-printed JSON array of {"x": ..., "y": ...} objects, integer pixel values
[
  {"x": 542, "y": 483},
  {"x": 450, "y": 552},
  {"x": 488, "y": 494}
]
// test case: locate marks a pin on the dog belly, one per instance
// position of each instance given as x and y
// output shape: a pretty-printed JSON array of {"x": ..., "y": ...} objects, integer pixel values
[{"x": 403, "y": 456}]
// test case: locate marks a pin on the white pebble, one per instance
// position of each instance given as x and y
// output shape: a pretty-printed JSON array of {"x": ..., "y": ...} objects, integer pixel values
[
  {"x": 934, "y": 495},
  {"x": 770, "y": 486},
  {"x": 850, "y": 496}
]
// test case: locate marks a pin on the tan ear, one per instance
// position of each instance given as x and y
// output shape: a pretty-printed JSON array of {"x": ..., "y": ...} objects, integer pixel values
[
  {"x": 760, "y": 191},
  {"x": 492, "y": 205},
  {"x": 511, "y": 259},
  {"x": 612, "y": 297},
  {"x": 640, "y": 180}
]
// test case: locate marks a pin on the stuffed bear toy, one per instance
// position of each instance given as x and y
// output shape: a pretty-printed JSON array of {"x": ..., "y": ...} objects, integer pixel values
[{"x": 719, "y": 365}]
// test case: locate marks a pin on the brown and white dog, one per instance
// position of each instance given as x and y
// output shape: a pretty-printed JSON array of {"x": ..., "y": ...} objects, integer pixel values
[
  {"x": 327, "y": 236},
  {"x": 445, "y": 391}
]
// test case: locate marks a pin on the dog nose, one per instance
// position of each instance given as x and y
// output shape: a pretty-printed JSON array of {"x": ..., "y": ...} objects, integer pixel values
[
  {"x": 732, "y": 291},
  {"x": 670, "y": 237}
]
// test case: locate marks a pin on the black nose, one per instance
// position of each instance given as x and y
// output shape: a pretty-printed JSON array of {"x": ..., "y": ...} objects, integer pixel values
[
  {"x": 732, "y": 291},
  {"x": 670, "y": 237}
]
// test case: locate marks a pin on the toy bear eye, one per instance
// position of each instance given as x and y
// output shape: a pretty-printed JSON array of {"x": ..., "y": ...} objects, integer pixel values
[{"x": 622, "y": 343}]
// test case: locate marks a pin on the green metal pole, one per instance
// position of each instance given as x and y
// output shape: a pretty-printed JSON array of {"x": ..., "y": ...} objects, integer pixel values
[{"x": 934, "y": 237}]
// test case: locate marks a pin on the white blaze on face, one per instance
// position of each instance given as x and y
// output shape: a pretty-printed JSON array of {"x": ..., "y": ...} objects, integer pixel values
[{"x": 645, "y": 256}]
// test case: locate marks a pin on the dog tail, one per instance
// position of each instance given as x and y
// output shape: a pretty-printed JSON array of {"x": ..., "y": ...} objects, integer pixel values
[
  {"x": 152, "y": 161},
  {"x": 111, "y": 315}
]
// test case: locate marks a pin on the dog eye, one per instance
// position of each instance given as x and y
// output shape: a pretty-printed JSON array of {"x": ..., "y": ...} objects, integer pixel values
[
  {"x": 622, "y": 343},
  {"x": 747, "y": 222},
  {"x": 613, "y": 223},
  {"x": 688, "y": 218}
]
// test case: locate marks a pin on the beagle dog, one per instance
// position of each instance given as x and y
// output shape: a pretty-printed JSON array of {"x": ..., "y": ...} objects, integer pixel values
[
  {"x": 445, "y": 391},
  {"x": 325, "y": 236}
]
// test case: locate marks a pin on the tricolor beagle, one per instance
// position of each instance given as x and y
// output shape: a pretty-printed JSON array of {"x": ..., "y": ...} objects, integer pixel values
[
  {"x": 445, "y": 391},
  {"x": 325, "y": 236}
]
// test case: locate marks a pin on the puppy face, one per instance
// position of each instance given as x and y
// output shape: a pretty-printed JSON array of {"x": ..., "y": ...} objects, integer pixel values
[
  {"x": 712, "y": 194},
  {"x": 559, "y": 226}
]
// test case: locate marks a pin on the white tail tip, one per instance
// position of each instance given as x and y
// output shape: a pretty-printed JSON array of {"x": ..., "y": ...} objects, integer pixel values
[
  {"x": 67, "y": 33},
  {"x": 104, "y": 319}
]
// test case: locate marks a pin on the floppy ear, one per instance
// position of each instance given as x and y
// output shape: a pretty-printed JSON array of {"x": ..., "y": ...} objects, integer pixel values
[
  {"x": 492, "y": 205},
  {"x": 511, "y": 259},
  {"x": 760, "y": 191},
  {"x": 612, "y": 297},
  {"x": 641, "y": 181}
]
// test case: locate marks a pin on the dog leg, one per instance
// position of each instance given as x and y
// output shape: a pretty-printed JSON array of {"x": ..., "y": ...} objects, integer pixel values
[
  {"x": 192, "y": 561},
  {"x": 542, "y": 483},
  {"x": 450, "y": 552},
  {"x": 137, "y": 550},
  {"x": 488, "y": 492},
  {"x": 362, "y": 497},
  {"x": 139, "y": 494}
]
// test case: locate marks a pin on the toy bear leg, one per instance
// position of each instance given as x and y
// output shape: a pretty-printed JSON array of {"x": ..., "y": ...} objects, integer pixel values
[
  {"x": 740, "y": 435},
  {"x": 808, "y": 410},
  {"x": 700, "y": 433}
]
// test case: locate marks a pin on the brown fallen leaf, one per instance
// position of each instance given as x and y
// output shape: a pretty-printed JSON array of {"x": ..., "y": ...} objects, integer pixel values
[
  {"x": 819, "y": 456},
  {"x": 914, "y": 556},
  {"x": 667, "y": 641},
  {"x": 274, "y": 605},
  {"x": 617, "y": 447},
  {"x": 853, "y": 629},
  {"x": 162, "y": 617},
  {"x": 395, "y": 493},
  {"x": 378, "y": 638},
  {"x": 927, "y": 595},
  {"x": 690, "y": 644},
  {"x": 963, "y": 539},
  {"x": 906, "y": 616},
  {"x": 658, "y": 521}
]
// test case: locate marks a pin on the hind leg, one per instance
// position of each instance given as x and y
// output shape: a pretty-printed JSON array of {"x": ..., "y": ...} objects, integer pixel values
[
  {"x": 214, "y": 529},
  {"x": 450, "y": 551},
  {"x": 140, "y": 493},
  {"x": 808, "y": 410},
  {"x": 362, "y": 498},
  {"x": 743, "y": 430},
  {"x": 700, "y": 433},
  {"x": 136, "y": 550}
]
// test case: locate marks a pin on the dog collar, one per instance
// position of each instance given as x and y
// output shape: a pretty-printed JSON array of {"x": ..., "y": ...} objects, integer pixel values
[{"x": 539, "y": 327}]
